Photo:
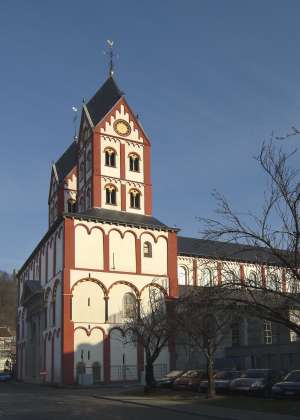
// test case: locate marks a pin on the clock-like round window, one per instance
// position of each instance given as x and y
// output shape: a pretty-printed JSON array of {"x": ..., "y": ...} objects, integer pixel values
[{"x": 122, "y": 128}]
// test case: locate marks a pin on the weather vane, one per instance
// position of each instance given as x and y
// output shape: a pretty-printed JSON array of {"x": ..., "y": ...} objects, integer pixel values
[{"x": 111, "y": 55}]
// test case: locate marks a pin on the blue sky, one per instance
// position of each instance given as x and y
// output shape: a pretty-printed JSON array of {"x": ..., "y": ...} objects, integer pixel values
[{"x": 209, "y": 79}]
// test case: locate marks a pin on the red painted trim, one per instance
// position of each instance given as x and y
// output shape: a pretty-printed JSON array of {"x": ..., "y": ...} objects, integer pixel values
[
  {"x": 94, "y": 270},
  {"x": 158, "y": 286},
  {"x": 172, "y": 264},
  {"x": 219, "y": 273},
  {"x": 67, "y": 324},
  {"x": 100, "y": 284},
  {"x": 123, "y": 197},
  {"x": 96, "y": 170},
  {"x": 126, "y": 283},
  {"x": 195, "y": 269},
  {"x": 242, "y": 273},
  {"x": 122, "y": 161},
  {"x": 138, "y": 258}
]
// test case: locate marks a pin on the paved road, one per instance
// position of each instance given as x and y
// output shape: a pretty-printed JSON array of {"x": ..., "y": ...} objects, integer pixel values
[{"x": 22, "y": 402}]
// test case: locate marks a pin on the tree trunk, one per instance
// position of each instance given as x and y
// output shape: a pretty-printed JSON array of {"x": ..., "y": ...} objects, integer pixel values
[
  {"x": 150, "y": 380},
  {"x": 211, "y": 392}
]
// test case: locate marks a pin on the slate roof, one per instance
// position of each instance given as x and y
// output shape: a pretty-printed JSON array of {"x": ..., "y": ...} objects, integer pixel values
[
  {"x": 103, "y": 100},
  {"x": 120, "y": 217},
  {"x": 66, "y": 162},
  {"x": 224, "y": 250}
]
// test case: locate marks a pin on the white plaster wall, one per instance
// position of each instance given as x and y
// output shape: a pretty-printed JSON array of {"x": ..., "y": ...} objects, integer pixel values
[
  {"x": 57, "y": 359},
  {"x": 59, "y": 251},
  {"x": 122, "y": 251},
  {"x": 92, "y": 343},
  {"x": 115, "y": 302},
  {"x": 50, "y": 259},
  {"x": 158, "y": 263},
  {"x": 122, "y": 353},
  {"x": 58, "y": 308},
  {"x": 81, "y": 312},
  {"x": 88, "y": 248},
  {"x": 187, "y": 263}
]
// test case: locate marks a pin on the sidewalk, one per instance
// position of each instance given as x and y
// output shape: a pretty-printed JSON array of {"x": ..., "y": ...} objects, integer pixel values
[{"x": 195, "y": 409}]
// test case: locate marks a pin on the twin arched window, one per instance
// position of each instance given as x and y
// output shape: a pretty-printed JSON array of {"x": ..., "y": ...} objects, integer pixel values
[
  {"x": 273, "y": 282},
  {"x": 111, "y": 194},
  {"x": 129, "y": 305},
  {"x": 147, "y": 249},
  {"x": 110, "y": 157},
  {"x": 253, "y": 279},
  {"x": 71, "y": 206},
  {"x": 135, "y": 199},
  {"x": 134, "y": 162}
]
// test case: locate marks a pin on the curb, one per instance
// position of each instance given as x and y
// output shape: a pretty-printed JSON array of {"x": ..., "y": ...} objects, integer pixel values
[{"x": 172, "y": 409}]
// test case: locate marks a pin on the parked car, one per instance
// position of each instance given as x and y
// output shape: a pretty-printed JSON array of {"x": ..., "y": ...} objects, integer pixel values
[
  {"x": 289, "y": 386},
  {"x": 167, "y": 380},
  {"x": 5, "y": 376},
  {"x": 222, "y": 380},
  {"x": 190, "y": 380},
  {"x": 255, "y": 382}
]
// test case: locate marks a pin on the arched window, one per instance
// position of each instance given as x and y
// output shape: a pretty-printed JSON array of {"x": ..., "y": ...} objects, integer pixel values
[
  {"x": 230, "y": 277},
  {"x": 88, "y": 198},
  {"x": 253, "y": 279},
  {"x": 207, "y": 278},
  {"x": 134, "y": 162},
  {"x": 129, "y": 305},
  {"x": 182, "y": 275},
  {"x": 71, "y": 206},
  {"x": 110, "y": 157},
  {"x": 135, "y": 199},
  {"x": 111, "y": 194},
  {"x": 147, "y": 249},
  {"x": 89, "y": 161}
]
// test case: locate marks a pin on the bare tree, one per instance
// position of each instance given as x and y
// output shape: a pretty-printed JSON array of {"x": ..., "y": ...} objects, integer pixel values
[
  {"x": 151, "y": 325},
  {"x": 205, "y": 316},
  {"x": 272, "y": 238}
]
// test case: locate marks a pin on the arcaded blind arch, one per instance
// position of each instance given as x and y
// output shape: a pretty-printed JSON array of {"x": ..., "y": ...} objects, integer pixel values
[{"x": 253, "y": 279}]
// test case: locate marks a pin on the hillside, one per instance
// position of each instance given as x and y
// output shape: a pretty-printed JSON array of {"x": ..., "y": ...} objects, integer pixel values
[{"x": 8, "y": 293}]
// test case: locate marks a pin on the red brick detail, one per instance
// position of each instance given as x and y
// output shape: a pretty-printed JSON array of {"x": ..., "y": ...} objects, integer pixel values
[
  {"x": 242, "y": 273},
  {"x": 67, "y": 324},
  {"x": 147, "y": 181},
  {"x": 96, "y": 170},
  {"x": 106, "y": 252},
  {"x": 195, "y": 272},
  {"x": 106, "y": 358},
  {"x": 122, "y": 161},
  {"x": 172, "y": 264},
  {"x": 263, "y": 276},
  {"x": 138, "y": 255},
  {"x": 123, "y": 197},
  {"x": 219, "y": 273}
]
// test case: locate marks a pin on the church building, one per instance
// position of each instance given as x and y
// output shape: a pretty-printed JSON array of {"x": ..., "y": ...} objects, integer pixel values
[{"x": 102, "y": 252}]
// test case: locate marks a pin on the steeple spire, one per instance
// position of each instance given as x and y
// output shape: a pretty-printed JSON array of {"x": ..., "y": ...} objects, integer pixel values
[{"x": 111, "y": 55}]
